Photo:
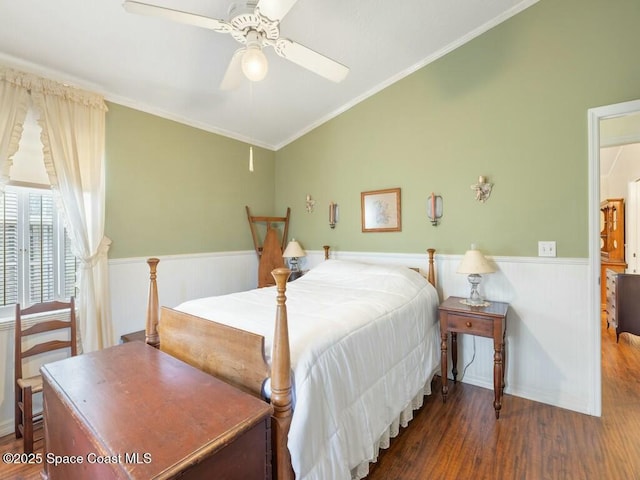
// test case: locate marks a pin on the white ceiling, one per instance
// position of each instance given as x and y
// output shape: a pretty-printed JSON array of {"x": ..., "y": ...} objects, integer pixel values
[
  {"x": 617, "y": 136},
  {"x": 174, "y": 70}
]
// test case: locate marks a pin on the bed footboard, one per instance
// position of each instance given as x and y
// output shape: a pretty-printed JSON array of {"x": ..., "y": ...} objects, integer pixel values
[{"x": 233, "y": 355}]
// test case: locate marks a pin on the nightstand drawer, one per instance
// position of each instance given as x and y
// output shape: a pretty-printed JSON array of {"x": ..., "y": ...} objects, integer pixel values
[{"x": 472, "y": 325}]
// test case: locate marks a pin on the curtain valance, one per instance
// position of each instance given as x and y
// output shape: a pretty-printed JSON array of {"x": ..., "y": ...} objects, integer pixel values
[
  {"x": 34, "y": 83},
  {"x": 73, "y": 139}
]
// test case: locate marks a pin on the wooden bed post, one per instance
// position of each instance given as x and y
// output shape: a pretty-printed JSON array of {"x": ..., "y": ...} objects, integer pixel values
[
  {"x": 326, "y": 251},
  {"x": 431, "y": 276},
  {"x": 281, "y": 398},
  {"x": 151, "y": 328}
]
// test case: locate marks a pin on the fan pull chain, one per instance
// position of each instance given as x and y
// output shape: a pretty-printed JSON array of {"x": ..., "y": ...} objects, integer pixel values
[{"x": 251, "y": 120}]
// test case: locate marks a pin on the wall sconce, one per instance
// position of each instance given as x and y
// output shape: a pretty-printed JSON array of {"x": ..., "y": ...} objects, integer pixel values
[
  {"x": 482, "y": 189},
  {"x": 434, "y": 208},
  {"x": 333, "y": 214},
  {"x": 310, "y": 204}
]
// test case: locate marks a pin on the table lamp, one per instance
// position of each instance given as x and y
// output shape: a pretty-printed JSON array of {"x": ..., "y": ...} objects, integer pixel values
[
  {"x": 293, "y": 252},
  {"x": 474, "y": 263}
]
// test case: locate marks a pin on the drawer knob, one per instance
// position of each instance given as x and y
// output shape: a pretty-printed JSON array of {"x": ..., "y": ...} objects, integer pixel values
[{"x": 469, "y": 324}]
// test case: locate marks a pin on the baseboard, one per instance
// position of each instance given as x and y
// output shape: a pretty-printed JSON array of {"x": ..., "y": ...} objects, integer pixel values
[
  {"x": 555, "y": 399},
  {"x": 7, "y": 427}
]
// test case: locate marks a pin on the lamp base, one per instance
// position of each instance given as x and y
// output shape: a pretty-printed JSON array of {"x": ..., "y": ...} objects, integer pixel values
[
  {"x": 474, "y": 300},
  {"x": 294, "y": 264}
]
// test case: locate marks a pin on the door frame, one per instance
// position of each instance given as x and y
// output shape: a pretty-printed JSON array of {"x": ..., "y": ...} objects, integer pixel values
[{"x": 594, "y": 115}]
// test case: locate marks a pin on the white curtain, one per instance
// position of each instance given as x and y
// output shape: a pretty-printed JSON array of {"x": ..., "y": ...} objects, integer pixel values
[
  {"x": 14, "y": 103},
  {"x": 73, "y": 128}
]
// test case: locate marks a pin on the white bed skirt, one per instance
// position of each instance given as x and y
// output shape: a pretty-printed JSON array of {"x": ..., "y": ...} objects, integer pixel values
[{"x": 402, "y": 420}]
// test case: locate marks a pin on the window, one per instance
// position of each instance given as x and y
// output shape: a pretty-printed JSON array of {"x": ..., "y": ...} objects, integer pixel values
[{"x": 36, "y": 263}]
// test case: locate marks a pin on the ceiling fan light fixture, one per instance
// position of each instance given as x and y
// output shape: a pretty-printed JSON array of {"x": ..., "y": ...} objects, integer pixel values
[
  {"x": 254, "y": 63},
  {"x": 255, "y": 24}
]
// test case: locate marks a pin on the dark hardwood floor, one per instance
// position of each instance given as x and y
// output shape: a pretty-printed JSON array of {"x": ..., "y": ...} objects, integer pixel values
[{"x": 462, "y": 439}]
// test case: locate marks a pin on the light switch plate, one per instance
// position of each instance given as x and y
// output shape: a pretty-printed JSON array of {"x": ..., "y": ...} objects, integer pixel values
[{"x": 547, "y": 249}]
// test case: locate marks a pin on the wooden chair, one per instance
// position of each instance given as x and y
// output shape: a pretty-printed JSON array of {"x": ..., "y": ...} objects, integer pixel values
[{"x": 55, "y": 318}]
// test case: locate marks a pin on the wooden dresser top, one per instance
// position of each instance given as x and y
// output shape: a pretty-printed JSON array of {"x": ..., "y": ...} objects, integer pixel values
[{"x": 134, "y": 398}]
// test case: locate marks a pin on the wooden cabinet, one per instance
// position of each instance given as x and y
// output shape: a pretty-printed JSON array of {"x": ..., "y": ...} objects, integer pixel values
[
  {"x": 133, "y": 412},
  {"x": 612, "y": 233},
  {"x": 611, "y": 242}
]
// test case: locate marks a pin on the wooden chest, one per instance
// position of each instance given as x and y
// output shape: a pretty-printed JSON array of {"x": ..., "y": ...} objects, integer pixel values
[{"x": 133, "y": 412}]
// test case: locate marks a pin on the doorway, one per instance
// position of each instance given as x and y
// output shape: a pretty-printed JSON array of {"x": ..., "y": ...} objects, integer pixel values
[{"x": 595, "y": 118}]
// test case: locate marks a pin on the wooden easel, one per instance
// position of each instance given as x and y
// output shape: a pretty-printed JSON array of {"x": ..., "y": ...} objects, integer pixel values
[{"x": 270, "y": 252}]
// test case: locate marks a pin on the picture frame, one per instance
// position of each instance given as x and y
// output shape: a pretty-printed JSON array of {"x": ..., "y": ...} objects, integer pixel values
[{"x": 381, "y": 210}]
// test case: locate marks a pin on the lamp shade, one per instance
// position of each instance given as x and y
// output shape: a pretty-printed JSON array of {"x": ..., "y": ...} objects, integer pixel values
[
  {"x": 474, "y": 262},
  {"x": 294, "y": 250}
]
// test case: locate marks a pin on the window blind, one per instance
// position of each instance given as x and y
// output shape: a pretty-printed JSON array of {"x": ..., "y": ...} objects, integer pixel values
[
  {"x": 36, "y": 262},
  {"x": 9, "y": 248},
  {"x": 41, "y": 248}
]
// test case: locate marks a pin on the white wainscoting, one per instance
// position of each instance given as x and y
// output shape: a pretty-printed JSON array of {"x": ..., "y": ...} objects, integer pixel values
[
  {"x": 179, "y": 278},
  {"x": 549, "y": 334},
  {"x": 548, "y": 330},
  {"x": 548, "y": 343}
]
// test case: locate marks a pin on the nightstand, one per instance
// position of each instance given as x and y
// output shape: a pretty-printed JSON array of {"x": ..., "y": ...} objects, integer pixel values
[
  {"x": 138, "y": 336},
  {"x": 295, "y": 275},
  {"x": 490, "y": 321}
]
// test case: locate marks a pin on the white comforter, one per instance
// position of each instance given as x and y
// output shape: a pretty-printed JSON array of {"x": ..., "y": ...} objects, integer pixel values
[{"x": 364, "y": 341}]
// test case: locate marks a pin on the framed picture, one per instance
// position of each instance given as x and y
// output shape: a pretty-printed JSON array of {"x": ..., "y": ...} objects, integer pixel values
[{"x": 381, "y": 210}]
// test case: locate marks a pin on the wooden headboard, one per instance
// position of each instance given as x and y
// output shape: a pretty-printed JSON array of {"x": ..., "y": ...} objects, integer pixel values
[{"x": 431, "y": 273}]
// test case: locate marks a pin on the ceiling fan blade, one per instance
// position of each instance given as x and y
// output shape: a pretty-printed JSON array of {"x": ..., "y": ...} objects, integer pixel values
[
  {"x": 233, "y": 76},
  {"x": 311, "y": 60},
  {"x": 177, "y": 16},
  {"x": 275, "y": 9}
]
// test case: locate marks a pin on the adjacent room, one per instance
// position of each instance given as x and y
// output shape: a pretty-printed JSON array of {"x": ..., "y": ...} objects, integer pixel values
[{"x": 271, "y": 219}]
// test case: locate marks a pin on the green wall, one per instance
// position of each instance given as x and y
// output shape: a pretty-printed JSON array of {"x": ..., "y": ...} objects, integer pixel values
[
  {"x": 511, "y": 105},
  {"x": 175, "y": 189}
]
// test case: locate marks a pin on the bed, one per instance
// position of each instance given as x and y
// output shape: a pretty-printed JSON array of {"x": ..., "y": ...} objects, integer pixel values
[{"x": 344, "y": 358}]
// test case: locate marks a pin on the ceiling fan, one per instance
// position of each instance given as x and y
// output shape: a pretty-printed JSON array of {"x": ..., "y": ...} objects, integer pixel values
[{"x": 255, "y": 24}]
